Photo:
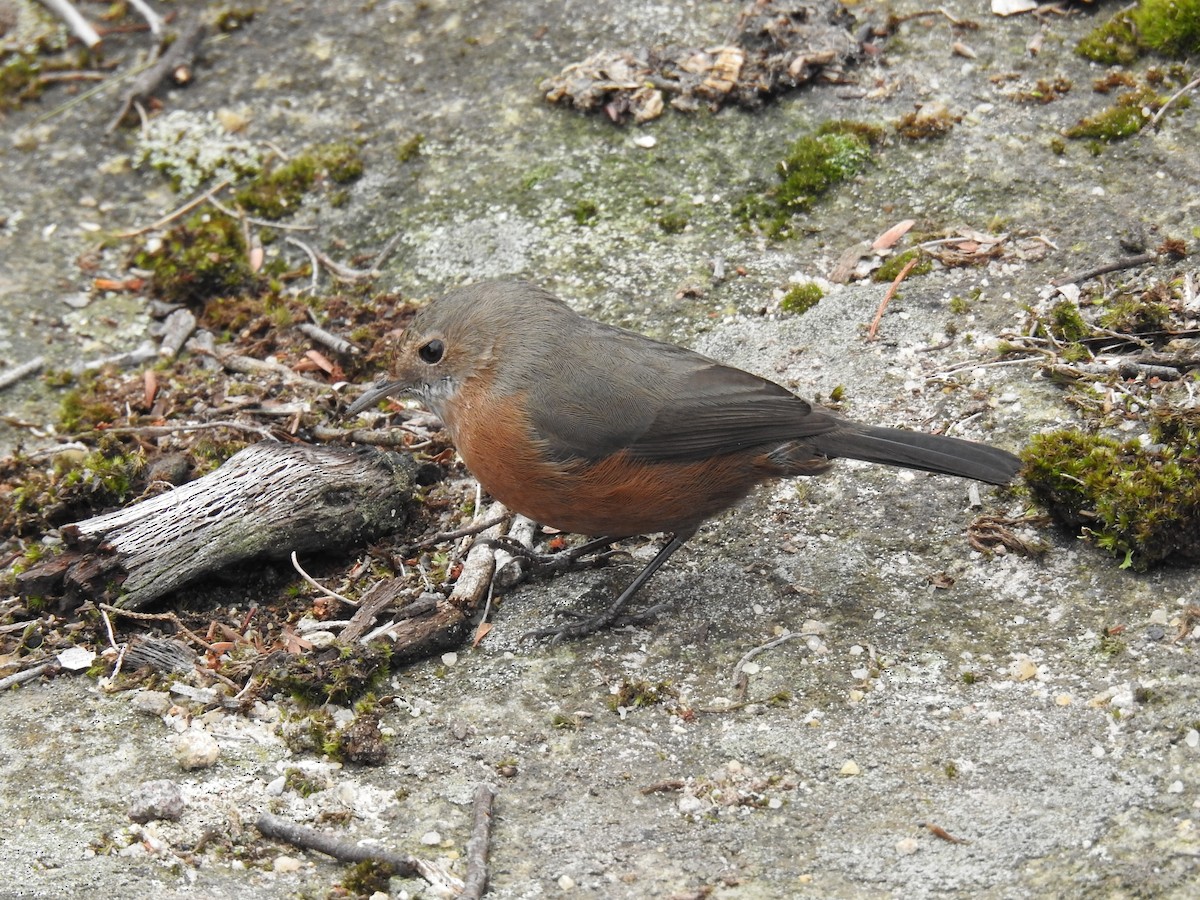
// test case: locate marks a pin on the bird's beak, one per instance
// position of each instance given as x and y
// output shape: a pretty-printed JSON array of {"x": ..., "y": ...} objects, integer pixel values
[{"x": 375, "y": 393}]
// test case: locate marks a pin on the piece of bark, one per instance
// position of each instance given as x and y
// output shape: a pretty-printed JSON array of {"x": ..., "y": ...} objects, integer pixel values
[{"x": 265, "y": 502}]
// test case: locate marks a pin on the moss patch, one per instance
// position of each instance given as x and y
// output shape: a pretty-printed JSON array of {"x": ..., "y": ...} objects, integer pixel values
[
  {"x": 1140, "y": 504},
  {"x": 202, "y": 257},
  {"x": 1168, "y": 27},
  {"x": 813, "y": 165},
  {"x": 801, "y": 298},
  {"x": 279, "y": 192}
]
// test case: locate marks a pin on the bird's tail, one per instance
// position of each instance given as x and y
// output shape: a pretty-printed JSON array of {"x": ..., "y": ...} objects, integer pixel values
[{"x": 917, "y": 450}]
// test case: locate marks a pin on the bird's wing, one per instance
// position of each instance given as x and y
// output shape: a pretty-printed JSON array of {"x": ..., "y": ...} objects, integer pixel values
[{"x": 685, "y": 408}]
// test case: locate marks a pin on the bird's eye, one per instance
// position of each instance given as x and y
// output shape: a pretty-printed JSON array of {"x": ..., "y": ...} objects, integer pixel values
[{"x": 432, "y": 351}]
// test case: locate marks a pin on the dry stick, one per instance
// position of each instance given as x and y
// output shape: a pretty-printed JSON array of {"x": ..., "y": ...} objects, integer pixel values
[
  {"x": 158, "y": 617},
  {"x": 320, "y": 587},
  {"x": 260, "y": 223},
  {"x": 76, "y": 22},
  {"x": 152, "y": 18},
  {"x": 310, "y": 839},
  {"x": 1175, "y": 96},
  {"x": 477, "y": 846},
  {"x": 334, "y": 342},
  {"x": 762, "y": 648},
  {"x": 473, "y": 528},
  {"x": 16, "y": 373},
  {"x": 179, "y": 55},
  {"x": 887, "y": 298},
  {"x": 1127, "y": 262},
  {"x": 22, "y": 677},
  {"x": 181, "y": 211}
]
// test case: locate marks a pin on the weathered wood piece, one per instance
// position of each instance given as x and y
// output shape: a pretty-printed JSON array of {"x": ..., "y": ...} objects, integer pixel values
[{"x": 265, "y": 502}]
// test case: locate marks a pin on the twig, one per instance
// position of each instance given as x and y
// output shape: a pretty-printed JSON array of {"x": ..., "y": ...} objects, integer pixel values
[
  {"x": 312, "y": 257},
  {"x": 473, "y": 528},
  {"x": 343, "y": 272},
  {"x": 159, "y": 617},
  {"x": 762, "y": 648},
  {"x": 324, "y": 590},
  {"x": 76, "y": 22},
  {"x": 1157, "y": 117},
  {"x": 310, "y": 839},
  {"x": 260, "y": 223},
  {"x": 334, "y": 342},
  {"x": 152, "y": 18},
  {"x": 373, "y": 437},
  {"x": 175, "y": 58},
  {"x": 1127, "y": 262},
  {"x": 155, "y": 430},
  {"x": 16, "y": 373},
  {"x": 181, "y": 211},
  {"x": 477, "y": 847},
  {"x": 22, "y": 677},
  {"x": 887, "y": 297}
]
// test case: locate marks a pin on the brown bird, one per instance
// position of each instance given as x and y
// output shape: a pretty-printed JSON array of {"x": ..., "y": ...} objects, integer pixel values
[{"x": 598, "y": 430}]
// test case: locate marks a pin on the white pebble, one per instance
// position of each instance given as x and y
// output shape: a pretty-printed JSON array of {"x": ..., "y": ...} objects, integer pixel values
[
  {"x": 196, "y": 749},
  {"x": 287, "y": 864},
  {"x": 431, "y": 839},
  {"x": 907, "y": 846}
]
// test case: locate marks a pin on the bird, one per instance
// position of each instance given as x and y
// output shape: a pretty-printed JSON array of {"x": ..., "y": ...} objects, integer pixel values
[{"x": 601, "y": 431}]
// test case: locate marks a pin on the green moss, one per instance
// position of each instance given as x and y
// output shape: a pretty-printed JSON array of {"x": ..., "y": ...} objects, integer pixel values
[
  {"x": 84, "y": 408},
  {"x": 367, "y": 878},
  {"x": 280, "y": 191},
  {"x": 892, "y": 266},
  {"x": 1139, "y": 504},
  {"x": 1065, "y": 323},
  {"x": 410, "y": 149},
  {"x": 20, "y": 79},
  {"x": 672, "y": 222},
  {"x": 813, "y": 165},
  {"x": 636, "y": 694},
  {"x": 801, "y": 298},
  {"x": 959, "y": 306},
  {"x": 1125, "y": 118},
  {"x": 1169, "y": 27},
  {"x": 1112, "y": 43},
  {"x": 584, "y": 211},
  {"x": 302, "y": 783},
  {"x": 202, "y": 257},
  {"x": 1135, "y": 315}
]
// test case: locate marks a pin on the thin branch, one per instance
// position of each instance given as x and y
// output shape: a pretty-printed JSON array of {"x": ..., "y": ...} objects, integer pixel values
[
  {"x": 324, "y": 590},
  {"x": 181, "y": 211},
  {"x": 887, "y": 297},
  {"x": 16, "y": 373},
  {"x": 159, "y": 617},
  {"x": 1128, "y": 262},
  {"x": 763, "y": 648},
  {"x": 1191, "y": 85},
  {"x": 306, "y": 838},
  {"x": 80, "y": 26},
  {"x": 477, "y": 846}
]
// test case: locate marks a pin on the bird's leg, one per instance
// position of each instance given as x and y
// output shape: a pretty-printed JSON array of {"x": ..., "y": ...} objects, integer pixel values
[
  {"x": 562, "y": 560},
  {"x": 590, "y": 625}
]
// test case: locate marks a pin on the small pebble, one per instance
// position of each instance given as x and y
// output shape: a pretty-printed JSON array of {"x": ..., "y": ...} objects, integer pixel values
[
  {"x": 645, "y": 141},
  {"x": 566, "y": 883},
  {"x": 156, "y": 800},
  {"x": 688, "y": 804},
  {"x": 151, "y": 703},
  {"x": 431, "y": 839},
  {"x": 195, "y": 749},
  {"x": 287, "y": 864},
  {"x": 449, "y": 659},
  {"x": 1175, "y": 788},
  {"x": 907, "y": 846},
  {"x": 849, "y": 769},
  {"x": 1192, "y": 738}
]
